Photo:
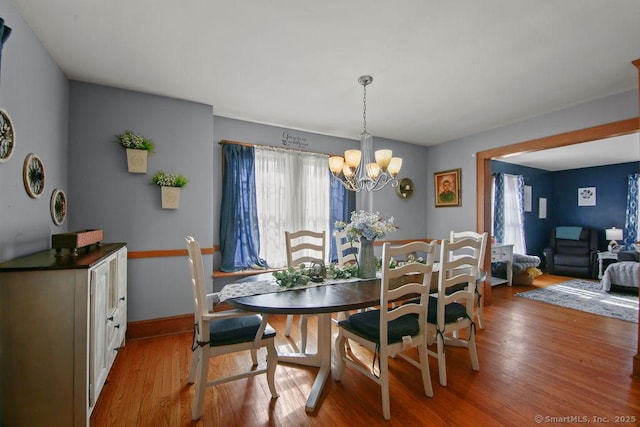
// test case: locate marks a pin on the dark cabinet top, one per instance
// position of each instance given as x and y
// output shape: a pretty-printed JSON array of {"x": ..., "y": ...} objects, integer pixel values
[{"x": 48, "y": 260}]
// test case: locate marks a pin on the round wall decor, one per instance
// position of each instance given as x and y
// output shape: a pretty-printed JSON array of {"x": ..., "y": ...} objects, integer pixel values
[
  {"x": 33, "y": 175},
  {"x": 58, "y": 206},
  {"x": 7, "y": 136}
]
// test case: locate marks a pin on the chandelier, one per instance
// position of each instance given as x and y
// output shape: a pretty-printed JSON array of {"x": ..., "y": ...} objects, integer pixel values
[{"x": 356, "y": 170}]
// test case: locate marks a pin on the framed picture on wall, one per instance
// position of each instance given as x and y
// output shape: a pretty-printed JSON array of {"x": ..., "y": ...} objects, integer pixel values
[
  {"x": 448, "y": 188},
  {"x": 587, "y": 196}
]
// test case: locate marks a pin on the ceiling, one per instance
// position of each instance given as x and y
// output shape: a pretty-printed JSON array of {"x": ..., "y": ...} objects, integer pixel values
[
  {"x": 442, "y": 70},
  {"x": 618, "y": 149}
]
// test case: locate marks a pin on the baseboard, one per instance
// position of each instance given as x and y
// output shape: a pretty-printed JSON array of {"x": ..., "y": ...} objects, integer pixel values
[{"x": 162, "y": 326}]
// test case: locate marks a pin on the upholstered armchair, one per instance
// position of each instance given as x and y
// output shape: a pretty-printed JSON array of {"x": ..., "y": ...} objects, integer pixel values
[{"x": 572, "y": 252}]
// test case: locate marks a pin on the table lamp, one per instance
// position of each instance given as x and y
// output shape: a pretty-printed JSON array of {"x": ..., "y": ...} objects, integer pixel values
[{"x": 613, "y": 235}]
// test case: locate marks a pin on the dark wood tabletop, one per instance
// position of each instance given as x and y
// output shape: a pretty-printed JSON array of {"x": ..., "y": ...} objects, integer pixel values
[
  {"x": 320, "y": 299},
  {"x": 314, "y": 300}
]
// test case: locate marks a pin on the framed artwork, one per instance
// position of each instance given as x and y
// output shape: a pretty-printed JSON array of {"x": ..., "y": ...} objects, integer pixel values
[
  {"x": 542, "y": 208},
  {"x": 527, "y": 198},
  {"x": 33, "y": 175},
  {"x": 58, "y": 206},
  {"x": 7, "y": 136},
  {"x": 448, "y": 188},
  {"x": 587, "y": 196}
]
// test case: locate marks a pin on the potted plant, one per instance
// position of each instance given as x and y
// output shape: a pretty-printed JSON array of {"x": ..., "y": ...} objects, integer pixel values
[
  {"x": 138, "y": 148},
  {"x": 170, "y": 185}
]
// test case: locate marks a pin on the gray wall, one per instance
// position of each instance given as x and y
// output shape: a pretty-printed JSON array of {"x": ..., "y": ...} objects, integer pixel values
[
  {"x": 460, "y": 153},
  {"x": 71, "y": 126},
  {"x": 126, "y": 205},
  {"x": 34, "y": 92}
]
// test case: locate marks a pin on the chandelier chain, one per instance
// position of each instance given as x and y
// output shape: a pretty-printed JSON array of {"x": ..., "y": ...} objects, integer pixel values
[{"x": 364, "y": 109}]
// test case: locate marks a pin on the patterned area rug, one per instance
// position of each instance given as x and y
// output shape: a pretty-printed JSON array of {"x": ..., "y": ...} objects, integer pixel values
[{"x": 588, "y": 296}]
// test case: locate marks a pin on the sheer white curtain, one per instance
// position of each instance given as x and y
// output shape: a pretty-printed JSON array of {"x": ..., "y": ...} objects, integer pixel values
[
  {"x": 513, "y": 213},
  {"x": 292, "y": 192}
]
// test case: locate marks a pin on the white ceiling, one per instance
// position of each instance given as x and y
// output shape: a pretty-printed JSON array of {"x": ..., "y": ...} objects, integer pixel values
[
  {"x": 619, "y": 149},
  {"x": 442, "y": 69}
]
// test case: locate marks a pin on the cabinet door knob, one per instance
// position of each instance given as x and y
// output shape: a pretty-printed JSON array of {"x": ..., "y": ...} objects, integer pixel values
[
  {"x": 117, "y": 326},
  {"x": 110, "y": 318},
  {"x": 121, "y": 298}
]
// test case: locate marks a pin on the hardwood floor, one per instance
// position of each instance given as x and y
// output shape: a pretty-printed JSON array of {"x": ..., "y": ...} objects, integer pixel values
[{"x": 536, "y": 360}]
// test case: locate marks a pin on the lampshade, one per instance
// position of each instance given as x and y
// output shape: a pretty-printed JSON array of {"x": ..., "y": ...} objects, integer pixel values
[
  {"x": 358, "y": 171},
  {"x": 613, "y": 233}
]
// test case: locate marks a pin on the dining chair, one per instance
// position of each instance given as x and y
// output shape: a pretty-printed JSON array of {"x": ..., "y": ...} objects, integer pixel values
[
  {"x": 303, "y": 247},
  {"x": 392, "y": 329},
  {"x": 450, "y": 312},
  {"x": 224, "y": 332},
  {"x": 456, "y": 235},
  {"x": 347, "y": 249}
]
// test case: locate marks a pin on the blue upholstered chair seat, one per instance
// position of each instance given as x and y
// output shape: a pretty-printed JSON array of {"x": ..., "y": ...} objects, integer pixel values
[
  {"x": 367, "y": 325},
  {"x": 452, "y": 313},
  {"x": 236, "y": 330}
]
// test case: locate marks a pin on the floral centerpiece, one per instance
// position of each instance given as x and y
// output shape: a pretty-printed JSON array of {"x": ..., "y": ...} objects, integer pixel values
[
  {"x": 366, "y": 227},
  {"x": 366, "y": 224},
  {"x": 170, "y": 185}
]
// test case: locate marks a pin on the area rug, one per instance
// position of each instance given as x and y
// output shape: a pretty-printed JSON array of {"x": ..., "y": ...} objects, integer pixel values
[{"x": 587, "y": 296}]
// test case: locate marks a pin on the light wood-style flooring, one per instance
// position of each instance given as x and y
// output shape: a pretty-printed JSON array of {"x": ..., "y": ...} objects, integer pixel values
[{"x": 539, "y": 364}]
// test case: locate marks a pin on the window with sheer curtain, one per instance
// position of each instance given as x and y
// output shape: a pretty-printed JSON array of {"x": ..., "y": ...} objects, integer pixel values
[
  {"x": 292, "y": 193},
  {"x": 508, "y": 212}
]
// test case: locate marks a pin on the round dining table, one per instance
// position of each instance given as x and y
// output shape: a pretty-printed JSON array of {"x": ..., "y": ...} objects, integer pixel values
[{"x": 317, "y": 300}]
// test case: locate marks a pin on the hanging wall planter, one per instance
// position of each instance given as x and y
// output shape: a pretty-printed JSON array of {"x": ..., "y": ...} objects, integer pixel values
[
  {"x": 137, "y": 160},
  {"x": 170, "y": 197},
  {"x": 138, "y": 148},
  {"x": 170, "y": 185}
]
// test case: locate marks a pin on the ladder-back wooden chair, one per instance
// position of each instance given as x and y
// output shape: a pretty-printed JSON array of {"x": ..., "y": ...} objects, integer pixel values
[
  {"x": 224, "y": 332},
  {"x": 392, "y": 329},
  {"x": 303, "y": 247}
]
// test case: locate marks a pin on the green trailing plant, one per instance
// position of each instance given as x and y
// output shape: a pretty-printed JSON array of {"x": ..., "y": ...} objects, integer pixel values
[
  {"x": 164, "y": 179},
  {"x": 129, "y": 139},
  {"x": 345, "y": 272},
  {"x": 292, "y": 277}
]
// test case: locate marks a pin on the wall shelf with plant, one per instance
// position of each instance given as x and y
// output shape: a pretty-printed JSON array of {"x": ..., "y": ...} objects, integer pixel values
[
  {"x": 138, "y": 147},
  {"x": 170, "y": 185}
]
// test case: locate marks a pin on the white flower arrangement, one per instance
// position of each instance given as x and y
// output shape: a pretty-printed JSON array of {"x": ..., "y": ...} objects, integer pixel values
[
  {"x": 164, "y": 179},
  {"x": 129, "y": 139},
  {"x": 366, "y": 224}
]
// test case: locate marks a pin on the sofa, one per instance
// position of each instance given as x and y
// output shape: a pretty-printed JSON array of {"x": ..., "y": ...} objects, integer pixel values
[{"x": 572, "y": 251}]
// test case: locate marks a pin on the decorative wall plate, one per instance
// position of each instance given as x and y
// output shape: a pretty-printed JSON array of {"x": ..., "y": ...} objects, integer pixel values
[
  {"x": 58, "y": 206},
  {"x": 33, "y": 175},
  {"x": 7, "y": 136}
]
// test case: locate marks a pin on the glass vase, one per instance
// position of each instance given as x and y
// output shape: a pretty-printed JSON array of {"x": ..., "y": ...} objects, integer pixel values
[{"x": 366, "y": 259}]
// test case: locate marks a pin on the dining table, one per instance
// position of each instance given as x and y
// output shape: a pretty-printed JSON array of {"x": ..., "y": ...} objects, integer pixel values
[{"x": 320, "y": 300}]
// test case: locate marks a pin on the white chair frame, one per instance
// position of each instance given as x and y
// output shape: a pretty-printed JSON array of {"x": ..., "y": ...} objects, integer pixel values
[
  {"x": 294, "y": 247},
  {"x": 390, "y": 312},
  {"x": 202, "y": 351},
  {"x": 454, "y": 270}
]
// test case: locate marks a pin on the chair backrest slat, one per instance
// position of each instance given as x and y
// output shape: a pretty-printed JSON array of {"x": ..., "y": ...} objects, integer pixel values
[{"x": 305, "y": 246}]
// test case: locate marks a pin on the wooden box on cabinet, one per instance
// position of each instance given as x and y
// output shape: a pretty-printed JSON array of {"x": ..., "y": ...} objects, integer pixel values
[{"x": 61, "y": 322}]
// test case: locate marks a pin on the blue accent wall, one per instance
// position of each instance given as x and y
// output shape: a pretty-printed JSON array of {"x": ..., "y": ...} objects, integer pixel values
[
  {"x": 611, "y": 197},
  {"x": 536, "y": 230},
  {"x": 560, "y": 188}
]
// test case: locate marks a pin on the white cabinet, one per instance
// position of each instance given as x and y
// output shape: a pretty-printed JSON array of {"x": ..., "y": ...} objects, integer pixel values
[
  {"x": 62, "y": 320},
  {"x": 501, "y": 252}
]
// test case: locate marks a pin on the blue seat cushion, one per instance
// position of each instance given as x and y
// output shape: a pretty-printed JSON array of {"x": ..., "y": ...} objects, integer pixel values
[
  {"x": 452, "y": 313},
  {"x": 236, "y": 330},
  {"x": 367, "y": 325}
]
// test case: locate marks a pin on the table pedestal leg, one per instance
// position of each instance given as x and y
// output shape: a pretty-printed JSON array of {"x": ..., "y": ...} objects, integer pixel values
[{"x": 322, "y": 359}]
